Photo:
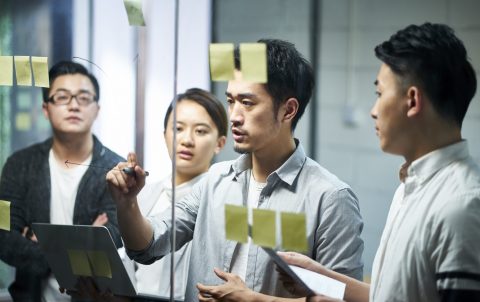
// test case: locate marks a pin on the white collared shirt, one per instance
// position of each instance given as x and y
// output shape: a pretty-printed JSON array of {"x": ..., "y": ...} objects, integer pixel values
[{"x": 431, "y": 238}]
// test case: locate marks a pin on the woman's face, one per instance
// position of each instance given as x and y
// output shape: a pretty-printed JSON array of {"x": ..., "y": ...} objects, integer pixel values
[{"x": 197, "y": 139}]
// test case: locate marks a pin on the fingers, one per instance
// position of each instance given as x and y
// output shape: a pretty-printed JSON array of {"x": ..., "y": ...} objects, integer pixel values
[
  {"x": 221, "y": 274},
  {"x": 25, "y": 231},
  {"x": 297, "y": 259},
  {"x": 101, "y": 220},
  {"x": 205, "y": 292}
]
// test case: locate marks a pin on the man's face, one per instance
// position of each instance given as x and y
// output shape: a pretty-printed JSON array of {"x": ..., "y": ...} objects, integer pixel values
[
  {"x": 71, "y": 118},
  {"x": 252, "y": 116},
  {"x": 390, "y": 112}
]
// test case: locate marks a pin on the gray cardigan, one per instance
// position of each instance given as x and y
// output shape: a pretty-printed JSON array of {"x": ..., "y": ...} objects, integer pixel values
[{"x": 25, "y": 182}]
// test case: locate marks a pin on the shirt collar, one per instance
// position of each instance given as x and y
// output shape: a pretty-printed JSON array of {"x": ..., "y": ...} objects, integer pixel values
[
  {"x": 287, "y": 172},
  {"x": 424, "y": 167}
]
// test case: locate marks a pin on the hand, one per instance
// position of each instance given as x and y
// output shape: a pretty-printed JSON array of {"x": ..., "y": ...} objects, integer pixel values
[
  {"x": 101, "y": 220},
  {"x": 233, "y": 290},
  {"x": 299, "y": 260},
  {"x": 303, "y": 261},
  {"x": 27, "y": 233},
  {"x": 86, "y": 289},
  {"x": 124, "y": 188}
]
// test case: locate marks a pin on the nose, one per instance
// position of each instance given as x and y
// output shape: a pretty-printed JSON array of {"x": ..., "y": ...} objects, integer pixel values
[
  {"x": 73, "y": 105},
  {"x": 236, "y": 114},
  {"x": 186, "y": 138},
  {"x": 374, "y": 111}
]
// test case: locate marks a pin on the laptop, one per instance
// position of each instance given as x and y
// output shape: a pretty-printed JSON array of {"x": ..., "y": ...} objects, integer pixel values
[{"x": 83, "y": 250}]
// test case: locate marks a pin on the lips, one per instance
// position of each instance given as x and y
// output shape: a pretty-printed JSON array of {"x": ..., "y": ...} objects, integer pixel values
[
  {"x": 73, "y": 119},
  {"x": 238, "y": 135},
  {"x": 185, "y": 154}
]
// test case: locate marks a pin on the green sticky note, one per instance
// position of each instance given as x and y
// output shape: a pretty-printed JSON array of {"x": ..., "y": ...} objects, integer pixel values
[
  {"x": 134, "y": 12},
  {"x": 100, "y": 264},
  {"x": 263, "y": 229},
  {"x": 253, "y": 60},
  {"x": 23, "y": 71},
  {"x": 6, "y": 70},
  {"x": 23, "y": 121},
  {"x": 5, "y": 215},
  {"x": 40, "y": 71},
  {"x": 294, "y": 232},
  {"x": 221, "y": 61},
  {"x": 79, "y": 263},
  {"x": 236, "y": 223}
]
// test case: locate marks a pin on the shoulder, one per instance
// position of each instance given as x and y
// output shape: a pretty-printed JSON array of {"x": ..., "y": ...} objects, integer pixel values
[
  {"x": 29, "y": 153},
  {"x": 319, "y": 179}
]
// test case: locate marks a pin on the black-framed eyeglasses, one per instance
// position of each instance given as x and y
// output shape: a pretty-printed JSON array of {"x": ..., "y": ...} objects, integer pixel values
[{"x": 83, "y": 98}]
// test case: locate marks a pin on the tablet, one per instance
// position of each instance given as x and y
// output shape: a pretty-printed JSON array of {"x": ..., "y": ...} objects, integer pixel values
[
  {"x": 84, "y": 250},
  {"x": 312, "y": 282}
]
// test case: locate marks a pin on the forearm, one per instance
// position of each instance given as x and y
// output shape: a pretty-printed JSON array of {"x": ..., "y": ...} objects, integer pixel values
[
  {"x": 355, "y": 291},
  {"x": 136, "y": 231}
]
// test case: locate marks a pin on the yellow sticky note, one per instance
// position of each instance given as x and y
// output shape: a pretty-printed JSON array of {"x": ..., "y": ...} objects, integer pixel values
[
  {"x": 79, "y": 263},
  {"x": 253, "y": 60},
  {"x": 294, "y": 233},
  {"x": 236, "y": 223},
  {"x": 263, "y": 229},
  {"x": 40, "y": 71},
  {"x": 222, "y": 64},
  {"x": 134, "y": 12},
  {"x": 5, "y": 215},
  {"x": 100, "y": 264},
  {"x": 6, "y": 70},
  {"x": 23, "y": 121},
  {"x": 23, "y": 71}
]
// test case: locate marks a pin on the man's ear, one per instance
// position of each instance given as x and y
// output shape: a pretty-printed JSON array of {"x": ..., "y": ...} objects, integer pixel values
[
  {"x": 290, "y": 109},
  {"x": 45, "y": 110},
  {"x": 414, "y": 102}
]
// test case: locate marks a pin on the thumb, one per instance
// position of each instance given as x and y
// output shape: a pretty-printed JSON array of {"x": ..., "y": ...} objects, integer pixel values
[
  {"x": 296, "y": 259},
  {"x": 221, "y": 274}
]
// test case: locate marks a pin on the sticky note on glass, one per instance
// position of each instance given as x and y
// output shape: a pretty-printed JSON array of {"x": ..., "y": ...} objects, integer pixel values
[
  {"x": 236, "y": 223},
  {"x": 134, "y": 12},
  {"x": 294, "y": 233},
  {"x": 100, "y": 264},
  {"x": 253, "y": 60},
  {"x": 23, "y": 121},
  {"x": 23, "y": 71},
  {"x": 40, "y": 71},
  {"x": 5, "y": 215},
  {"x": 79, "y": 263},
  {"x": 263, "y": 228},
  {"x": 6, "y": 70},
  {"x": 222, "y": 64}
]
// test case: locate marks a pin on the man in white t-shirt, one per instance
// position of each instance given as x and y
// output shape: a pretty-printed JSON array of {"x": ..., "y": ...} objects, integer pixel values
[
  {"x": 429, "y": 249},
  {"x": 41, "y": 188}
]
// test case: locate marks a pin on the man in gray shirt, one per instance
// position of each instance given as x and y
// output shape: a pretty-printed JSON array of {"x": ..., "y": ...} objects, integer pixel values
[{"x": 273, "y": 172}]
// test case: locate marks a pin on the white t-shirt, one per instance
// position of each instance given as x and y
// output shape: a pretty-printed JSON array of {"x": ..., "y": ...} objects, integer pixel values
[
  {"x": 430, "y": 241},
  {"x": 239, "y": 266},
  {"x": 64, "y": 186}
]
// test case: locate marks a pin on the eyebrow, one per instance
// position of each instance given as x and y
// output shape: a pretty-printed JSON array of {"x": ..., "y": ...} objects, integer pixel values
[
  {"x": 197, "y": 124},
  {"x": 241, "y": 96},
  {"x": 79, "y": 91}
]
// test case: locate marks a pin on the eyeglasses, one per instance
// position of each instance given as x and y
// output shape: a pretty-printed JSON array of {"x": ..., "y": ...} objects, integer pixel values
[{"x": 65, "y": 97}]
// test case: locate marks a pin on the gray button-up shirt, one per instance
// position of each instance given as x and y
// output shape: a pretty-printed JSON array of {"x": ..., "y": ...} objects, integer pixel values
[{"x": 300, "y": 185}]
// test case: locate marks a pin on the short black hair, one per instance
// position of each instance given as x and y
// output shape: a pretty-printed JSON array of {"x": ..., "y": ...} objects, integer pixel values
[
  {"x": 289, "y": 75},
  {"x": 433, "y": 57},
  {"x": 209, "y": 102},
  {"x": 68, "y": 67}
]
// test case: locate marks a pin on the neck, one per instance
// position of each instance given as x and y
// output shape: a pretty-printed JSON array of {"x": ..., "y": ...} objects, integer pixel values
[
  {"x": 72, "y": 148},
  {"x": 181, "y": 178},
  {"x": 434, "y": 137},
  {"x": 264, "y": 162}
]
